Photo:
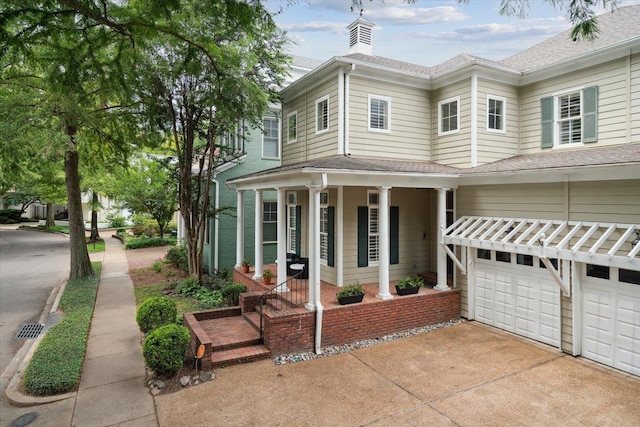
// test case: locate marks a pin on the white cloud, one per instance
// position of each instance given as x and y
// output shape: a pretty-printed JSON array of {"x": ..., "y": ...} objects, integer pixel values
[
  {"x": 334, "y": 27},
  {"x": 411, "y": 15}
]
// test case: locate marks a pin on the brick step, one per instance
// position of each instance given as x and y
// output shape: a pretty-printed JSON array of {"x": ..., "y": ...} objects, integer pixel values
[
  {"x": 253, "y": 318},
  {"x": 239, "y": 355},
  {"x": 241, "y": 342}
]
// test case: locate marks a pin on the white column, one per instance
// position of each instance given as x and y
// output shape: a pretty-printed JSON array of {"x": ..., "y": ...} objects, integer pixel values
[
  {"x": 239, "y": 228},
  {"x": 441, "y": 254},
  {"x": 258, "y": 236},
  {"x": 181, "y": 227},
  {"x": 339, "y": 236},
  {"x": 311, "y": 242},
  {"x": 282, "y": 241},
  {"x": 383, "y": 235}
]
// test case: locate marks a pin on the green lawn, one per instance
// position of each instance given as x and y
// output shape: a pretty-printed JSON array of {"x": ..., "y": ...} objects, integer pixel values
[{"x": 96, "y": 247}]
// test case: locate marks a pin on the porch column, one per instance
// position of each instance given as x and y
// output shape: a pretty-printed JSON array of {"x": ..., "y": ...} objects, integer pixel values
[
  {"x": 312, "y": 236},
  {"x": 258, "y": 237},
  {"x": 282, "y": 240},
  {"x": 181, "y": 232},
  {"x": 383, "y": 234},
  {"x": 441, "y": 254},
  {"x": 239, "y": 228},
  {"x": 339, "y": 238}
]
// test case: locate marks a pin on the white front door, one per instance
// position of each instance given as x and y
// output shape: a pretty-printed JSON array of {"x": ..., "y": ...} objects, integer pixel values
[
  {"x": 518, "y": 298},
  {"x": 611, "y": 321}
]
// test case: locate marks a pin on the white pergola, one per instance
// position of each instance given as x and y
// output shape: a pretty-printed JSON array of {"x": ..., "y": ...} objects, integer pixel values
[{"x": 615, "y": 245}]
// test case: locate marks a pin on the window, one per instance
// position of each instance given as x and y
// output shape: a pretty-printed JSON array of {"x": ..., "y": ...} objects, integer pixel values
[
  {"x": 270, "y": 222},
  {"x": 448, "y": 118},
  {"x": 600, "y": 271},
  {"x": 629, "y": 276},
  {"x": 292, "y": 223},
  {"x": 379, "y": 116},
  {"x": 292, "y": 127},
  {"x": 570, "y": 118},
  {"x": 496, "y": 109},
  {"x": 484, "y": 254},
  {"x": 374, "y": 236},
  {"x": 270, "y": 138},
  {"x": 324, "y": 227},
  {"x": 322, "y": 115},
  {"x": 503, "y": 256},
  {"x": 524, "y": 259},
  {"x": 553, "y": 261}
]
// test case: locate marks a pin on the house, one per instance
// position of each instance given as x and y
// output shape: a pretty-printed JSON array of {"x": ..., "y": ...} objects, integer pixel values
[
  {"x": 515, "y": 183},
  {"x": 254, "y": 150}
]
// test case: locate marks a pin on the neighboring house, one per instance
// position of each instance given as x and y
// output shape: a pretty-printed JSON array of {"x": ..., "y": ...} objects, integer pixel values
[
  {"x": 255, "y": 150},
  {"x": 531, "y": 164}
]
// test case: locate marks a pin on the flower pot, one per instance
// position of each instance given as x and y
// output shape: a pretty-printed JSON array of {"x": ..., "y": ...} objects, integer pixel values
[
  {"x": 245, "y": 269},
  {"x": 266, "y": 281},
  {"x": 407, "y": 291},
  {"x": 350, "y": 299}
]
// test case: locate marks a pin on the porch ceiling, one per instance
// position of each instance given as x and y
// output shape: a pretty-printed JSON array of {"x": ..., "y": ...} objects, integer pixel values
[{"x": 595, "y": 243}]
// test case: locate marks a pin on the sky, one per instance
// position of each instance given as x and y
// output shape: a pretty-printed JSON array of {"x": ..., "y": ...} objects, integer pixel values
[{"x": 427, "y": 32}]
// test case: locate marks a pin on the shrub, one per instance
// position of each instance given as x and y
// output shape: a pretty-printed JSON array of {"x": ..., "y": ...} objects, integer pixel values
[
  {"x": 155, "y": 312},
  {"x": 351, "y": 289},
  {"x": 10, "y": 216},
  {"x": 116, "y": 221},
  {"x": 178, "y": 257},
  {"x": 206, "y": 297},
  {"x": 164, "y": 349},
  {"x": 148, "y": 242},
  {"x": 157, "y": 266},
  {"x": 231, "y": 293}
]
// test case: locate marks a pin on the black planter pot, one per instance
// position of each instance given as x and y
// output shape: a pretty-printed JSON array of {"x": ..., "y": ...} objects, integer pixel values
[
  {"x": 407, "y": 291},
  {"x": 350, "y": 299}
]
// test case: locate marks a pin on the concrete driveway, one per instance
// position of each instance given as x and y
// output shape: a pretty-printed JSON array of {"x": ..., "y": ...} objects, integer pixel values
[{"x": 467, "y": 375}]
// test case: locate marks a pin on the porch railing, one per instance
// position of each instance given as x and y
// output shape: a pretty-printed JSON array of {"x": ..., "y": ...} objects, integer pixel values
[{"x": 292, "y": 293}]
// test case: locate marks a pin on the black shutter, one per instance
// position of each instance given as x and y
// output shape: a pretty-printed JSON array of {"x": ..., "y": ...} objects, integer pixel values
[
  {"x": 363, "y": 236},
  {"x": 331, "y": 213},
  {"x": 298, "y": 228},
  {"x": 394, "y": 235}
]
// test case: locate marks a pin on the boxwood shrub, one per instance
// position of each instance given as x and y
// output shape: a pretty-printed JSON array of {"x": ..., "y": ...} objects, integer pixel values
[
  {"x": 57, "y": 362},
  {"x": 149, "y": 242},
  {"x": 155, "y": 312},
  {"x": 165, "y": 348}
]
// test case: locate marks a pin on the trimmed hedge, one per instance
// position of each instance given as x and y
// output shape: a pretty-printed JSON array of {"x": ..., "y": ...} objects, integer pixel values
[
  {"x": 149, "y": 242},
  {"x": 178, "y": 257},
  {"x": 155, "y": 312},
  {"x": 231, "y": 293},
  {"x": 164, "y": 349},
  {"x": 57, "y": 363}
]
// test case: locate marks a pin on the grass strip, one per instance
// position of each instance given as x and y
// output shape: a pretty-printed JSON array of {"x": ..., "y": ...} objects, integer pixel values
[{"x": 57, "y": 362}]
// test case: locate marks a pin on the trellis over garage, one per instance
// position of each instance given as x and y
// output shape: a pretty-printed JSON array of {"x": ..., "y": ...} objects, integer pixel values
[{"x": 566, "y": 283}]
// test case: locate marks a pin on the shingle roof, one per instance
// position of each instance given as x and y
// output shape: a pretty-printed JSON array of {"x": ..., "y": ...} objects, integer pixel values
[
  {"x": 615, "y": 27},
  {"x": 393, "y": 64},
  {"x": 598, "y": 156}
]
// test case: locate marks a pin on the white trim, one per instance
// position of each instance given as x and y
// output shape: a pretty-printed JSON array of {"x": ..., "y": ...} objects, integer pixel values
[
  {"x": 385, "y": 99},
  {"x": 277, "y": 120},
  {"x": 440, "y": 104},
  {"x": 293, "y": 113},
  {"x": 376, "y": 206},
  {"x": 474, "y": 119},
  {"x": 504, "y": 114},
  {"x": 318, "y": 101},
  {"x": 556, "y": 118}
]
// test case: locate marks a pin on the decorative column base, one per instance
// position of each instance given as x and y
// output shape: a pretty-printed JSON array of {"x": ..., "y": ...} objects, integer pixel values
[{"x": 384, "y": 296}]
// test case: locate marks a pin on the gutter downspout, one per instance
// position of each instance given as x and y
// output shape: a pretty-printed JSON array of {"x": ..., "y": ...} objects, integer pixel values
[
  {"x": 316, "y": 279},
  {"x": 346, "y": 109},
  {"x": 474, "y": 119}
]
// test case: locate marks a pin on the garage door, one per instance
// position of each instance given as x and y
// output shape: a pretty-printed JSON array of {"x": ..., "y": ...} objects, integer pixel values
[
  {"x": 611, "y": 322},
  {"x": 522, "y": 299}
]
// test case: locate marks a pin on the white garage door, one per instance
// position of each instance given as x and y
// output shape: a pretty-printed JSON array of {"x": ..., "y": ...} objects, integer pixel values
[
  {"x": 611, "y": 322},
  {"x": 522, "y": 299}
]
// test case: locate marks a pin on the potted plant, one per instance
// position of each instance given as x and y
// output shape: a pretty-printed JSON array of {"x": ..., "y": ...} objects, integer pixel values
[
  {"x": 266, "y": 276},
  {"x": 409, "y": 285},
  {"x": 350, "y": 294},
  {"x": 245, "y": 266}
]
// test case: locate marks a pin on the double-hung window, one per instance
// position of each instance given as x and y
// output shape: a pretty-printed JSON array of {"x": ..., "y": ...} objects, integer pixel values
[
  {"x": 270, "y": 138},
  {"x": 324, "y": 227},
  {"x": 292, "y": 223},
  {"x": 270, "y": 222},
  {"x": 292, "y": 127},
  {"x": 449, "y": 116},
  {"x": 496, "y": 108},
  {"x": 379, "y": 113},
  {"x": 570, "y": 118},
  {"x": 374, "y": 229},
  {"x": 322, "y": 114}
]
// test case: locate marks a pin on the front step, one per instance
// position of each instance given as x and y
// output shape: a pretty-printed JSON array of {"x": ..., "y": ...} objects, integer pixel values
[{"x": 238, "y": 355}]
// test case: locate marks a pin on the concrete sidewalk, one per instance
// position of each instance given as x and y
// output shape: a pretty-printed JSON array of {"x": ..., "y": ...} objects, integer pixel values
[{"x": 112, "y": 388}]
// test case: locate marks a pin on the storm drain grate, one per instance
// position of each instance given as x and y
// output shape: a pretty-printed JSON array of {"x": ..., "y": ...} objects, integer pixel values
[{"x": 30, "y": 330}]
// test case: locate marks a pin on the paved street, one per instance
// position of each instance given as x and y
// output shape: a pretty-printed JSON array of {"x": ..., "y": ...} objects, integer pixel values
[{"x": 32, "y": 263}]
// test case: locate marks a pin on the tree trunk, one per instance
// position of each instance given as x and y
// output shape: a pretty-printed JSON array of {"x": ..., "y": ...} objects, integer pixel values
[
  {"x": 80, "y": 262},
  {"x": 94, "y": 216},
  {"x": 51, "y": 220}
]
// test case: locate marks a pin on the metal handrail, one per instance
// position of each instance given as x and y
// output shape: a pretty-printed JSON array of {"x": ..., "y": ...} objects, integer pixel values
[{"x": 294, "y": 298}]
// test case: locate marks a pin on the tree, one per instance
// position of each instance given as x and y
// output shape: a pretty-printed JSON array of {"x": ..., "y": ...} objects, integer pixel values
[
  {"x": 199, "y": 95},
  {"x": 580, "y": 13},
  {"x": 149, "y": 186}
]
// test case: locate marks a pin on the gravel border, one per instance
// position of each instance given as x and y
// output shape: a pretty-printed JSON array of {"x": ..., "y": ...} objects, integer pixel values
[{"x": 346, "y": 348}]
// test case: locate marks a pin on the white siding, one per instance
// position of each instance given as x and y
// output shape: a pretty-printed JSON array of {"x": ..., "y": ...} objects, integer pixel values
[{"x": 634, "y": 93}]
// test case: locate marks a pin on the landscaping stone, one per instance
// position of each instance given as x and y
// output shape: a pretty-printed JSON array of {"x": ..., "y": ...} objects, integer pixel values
[
  {"x": 185, "y": 381},
  {"x": 159, "y": 384}
]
